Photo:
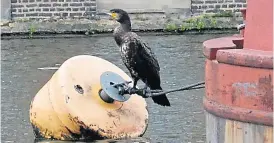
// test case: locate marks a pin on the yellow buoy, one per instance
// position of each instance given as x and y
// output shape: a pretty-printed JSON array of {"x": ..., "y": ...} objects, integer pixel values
[{"x": 68, "y": 107}]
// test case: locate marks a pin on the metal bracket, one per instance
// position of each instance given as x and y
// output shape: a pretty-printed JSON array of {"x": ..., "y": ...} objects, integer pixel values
[{"x": 108, "y": 81}]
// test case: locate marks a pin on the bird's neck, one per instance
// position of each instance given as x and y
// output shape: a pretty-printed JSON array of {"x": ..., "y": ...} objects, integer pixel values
[
  {"x": 126, "y": 26},
  {"x": 121, "y": 30}
]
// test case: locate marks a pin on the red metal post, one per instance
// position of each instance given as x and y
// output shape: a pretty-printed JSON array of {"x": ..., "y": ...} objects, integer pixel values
[
  {"x": 239, "y": 80},
  {"x": 259, "y": 26}
]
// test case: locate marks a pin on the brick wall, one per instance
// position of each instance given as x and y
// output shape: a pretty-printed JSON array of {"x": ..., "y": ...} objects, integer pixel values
[
  {"x": 37, "y": 9},
  {"x": 215, "y": 6}
]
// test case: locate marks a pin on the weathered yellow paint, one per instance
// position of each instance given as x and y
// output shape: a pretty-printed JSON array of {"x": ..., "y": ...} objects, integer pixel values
[
  {"x": 229, "y": 132},
  {"x": 234, "y": 132},
  {"x": 43, "y": 116},
  {"x": 268, "y": 135},
  {"x": 60, "y": 111}
]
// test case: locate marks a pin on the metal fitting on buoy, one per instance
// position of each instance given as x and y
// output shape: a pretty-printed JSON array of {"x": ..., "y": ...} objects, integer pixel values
[
  {"x": 73, "y": 104},
  {"x": 105, "y": 97},
  {"x": 111, "y": 87}
]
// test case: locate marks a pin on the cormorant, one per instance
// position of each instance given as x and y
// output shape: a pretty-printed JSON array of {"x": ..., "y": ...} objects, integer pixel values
[{"x": 137, "y": 56}]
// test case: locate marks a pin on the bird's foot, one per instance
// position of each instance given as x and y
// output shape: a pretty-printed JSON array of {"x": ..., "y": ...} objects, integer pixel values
[{"x": 143, "y": 92}]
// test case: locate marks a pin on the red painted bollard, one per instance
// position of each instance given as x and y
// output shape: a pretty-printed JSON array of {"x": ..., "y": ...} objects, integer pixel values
[{"x": 239, "y": 81}]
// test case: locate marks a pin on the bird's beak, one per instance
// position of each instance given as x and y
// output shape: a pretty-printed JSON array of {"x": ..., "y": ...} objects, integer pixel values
[
  {"x": 112, "y": 15},
  {"x": 109, "y": 14}
]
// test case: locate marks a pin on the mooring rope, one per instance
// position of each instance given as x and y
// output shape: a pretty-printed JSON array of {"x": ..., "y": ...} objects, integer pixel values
[
  {"x": 188, "y": 87},
  {"x": 146, "y": 93}
]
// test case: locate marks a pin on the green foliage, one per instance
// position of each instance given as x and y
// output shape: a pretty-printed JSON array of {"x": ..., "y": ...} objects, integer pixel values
[
  {"x": 183, "y": 28},
  {"x": 171, "y": 27},
  {"x": 223, "y": 14},
  {"x": 32, "y": 30},
  {"x": 199, "y": 23},
  {"x": 213, "y": 21},
  {"x": 22, "y": 20}
]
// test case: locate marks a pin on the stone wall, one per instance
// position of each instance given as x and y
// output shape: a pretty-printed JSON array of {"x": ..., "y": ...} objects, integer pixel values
[
  {"x": 215, "y": 6},
  {"x": 49, "y": 8}
]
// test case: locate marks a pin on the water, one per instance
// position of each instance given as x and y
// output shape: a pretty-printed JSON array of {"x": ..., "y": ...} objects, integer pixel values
[{"x": 180, "y": 58}]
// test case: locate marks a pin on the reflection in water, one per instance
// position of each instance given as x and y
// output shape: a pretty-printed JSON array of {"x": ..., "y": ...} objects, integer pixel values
[{"x": 179, "y": 58}]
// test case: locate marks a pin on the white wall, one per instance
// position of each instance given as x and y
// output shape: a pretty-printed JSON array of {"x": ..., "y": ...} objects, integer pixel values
[
  {"x": 142, "y": 5},
  {"x": 5, "y": 9}
]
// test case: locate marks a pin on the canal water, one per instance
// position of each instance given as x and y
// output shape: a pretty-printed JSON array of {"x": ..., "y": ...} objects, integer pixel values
[{"x": 180, "y": 57}]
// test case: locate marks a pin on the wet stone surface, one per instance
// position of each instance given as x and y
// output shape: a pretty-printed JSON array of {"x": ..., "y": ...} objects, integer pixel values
[{"x": 180, "y": 58}]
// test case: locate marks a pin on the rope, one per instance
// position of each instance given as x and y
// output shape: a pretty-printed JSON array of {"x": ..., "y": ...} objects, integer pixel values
[
  {"x": 152, "y": 93},
  {"x": 188, "y": 87}
]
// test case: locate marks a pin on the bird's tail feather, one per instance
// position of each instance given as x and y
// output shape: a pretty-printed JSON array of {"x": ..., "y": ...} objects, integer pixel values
[{"x": 162, "y": 99}]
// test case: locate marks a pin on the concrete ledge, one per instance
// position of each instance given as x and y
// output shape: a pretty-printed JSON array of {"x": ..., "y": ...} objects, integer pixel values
[{"x": 154, "y": 21}]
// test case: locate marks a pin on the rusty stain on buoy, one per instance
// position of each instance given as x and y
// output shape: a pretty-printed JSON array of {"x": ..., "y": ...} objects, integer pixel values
[{"x": 68, "y": 107}]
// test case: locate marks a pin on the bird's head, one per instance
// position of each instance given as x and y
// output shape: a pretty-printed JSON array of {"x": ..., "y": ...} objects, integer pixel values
[{"x": 119, "y": 15}]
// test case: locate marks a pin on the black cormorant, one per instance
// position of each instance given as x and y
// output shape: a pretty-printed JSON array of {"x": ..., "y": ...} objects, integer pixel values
[{"x": 137, "y": 56}]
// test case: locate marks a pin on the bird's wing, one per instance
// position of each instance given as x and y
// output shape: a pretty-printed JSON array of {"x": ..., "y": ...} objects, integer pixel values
[
  {"x": 143, "y": 52},
  {"x": 147, "y": 53},
  {"x": 128, "y": 52}
]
